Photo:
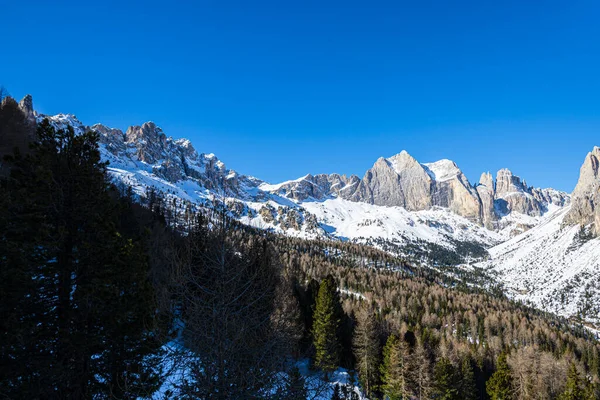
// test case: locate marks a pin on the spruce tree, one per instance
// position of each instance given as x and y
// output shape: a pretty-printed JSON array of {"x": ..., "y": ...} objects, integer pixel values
[
  {"x": 337, "y": 393},
  {"x": 295, "y": 388},
  {"x": 446, "y": 381},
  {"x": 467, "y": 385},
  {"x": 394, "y": 369},
  {"x": 499, "y": 386},
  {"x": 325, "y": 324}
]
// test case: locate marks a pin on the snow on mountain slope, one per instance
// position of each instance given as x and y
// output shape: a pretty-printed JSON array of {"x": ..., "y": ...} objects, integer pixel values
[
  {"x": 555, "y": 267},
  {"x": 442, "y": 170},
  {"x": 348, "y": 220}
]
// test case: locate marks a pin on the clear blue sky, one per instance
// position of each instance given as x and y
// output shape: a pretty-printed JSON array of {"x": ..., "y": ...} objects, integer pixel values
[{"x": 278, "y": 89}]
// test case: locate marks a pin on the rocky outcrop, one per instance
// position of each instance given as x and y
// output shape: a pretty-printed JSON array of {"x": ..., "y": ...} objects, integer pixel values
[
  {"x": 396, "y": 181},
  {"x": 486, "y": 191},
  {"x": 26, "y": 106},
  {"x": 451, "y": 189},
  {"x": 513, "y": 195},
  {"x": 585, "y": 207},
  {"x": 113, "y": 139}
]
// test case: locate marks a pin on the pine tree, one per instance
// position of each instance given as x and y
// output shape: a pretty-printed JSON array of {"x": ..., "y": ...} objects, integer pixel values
[
  {"x": 467, "y": 385},
  {"x": 325, "y": 325},
  {"x": 394, "y": 369},
  {"x": 366, "y": 350},
  {"x": 446, "y": 381},
  {"x": 295, "y": 386},
  {"x": 499, "y": 386}
]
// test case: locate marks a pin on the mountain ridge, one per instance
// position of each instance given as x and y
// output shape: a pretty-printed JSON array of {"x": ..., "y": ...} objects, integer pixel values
[{"x": 396, "y": 181}]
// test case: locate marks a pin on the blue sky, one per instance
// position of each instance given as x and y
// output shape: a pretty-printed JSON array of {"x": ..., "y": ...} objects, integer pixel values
[{"x": 278, "y": 89}]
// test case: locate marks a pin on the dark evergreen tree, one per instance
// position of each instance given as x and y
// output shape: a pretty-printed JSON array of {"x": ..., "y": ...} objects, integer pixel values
[
  {"x": 337, "y": 393},
  {"x": 499, "y": 386},
  {"x": 467, "y": 385},
  {"x": 394, "y": 369},
  {"x": 325, "y": 324},
  {"x": 446, "y": 381},
  {"x": 295, "y": 388},
  {"x": 574, "y": 389}
]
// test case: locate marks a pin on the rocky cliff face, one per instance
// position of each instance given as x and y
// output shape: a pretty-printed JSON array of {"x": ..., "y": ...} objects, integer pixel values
[
  {"x": 316, "y": 187},
  {"x": 585, "y": 208},
  {"x": 451, "y": 189},
  {"x": 402, "y": 181},
  {"x": 486, "y": 191},
  {"x": 26, "y": 105},
  {"x": 513, "y": 195},
  {"x": 396, "y": 181}
]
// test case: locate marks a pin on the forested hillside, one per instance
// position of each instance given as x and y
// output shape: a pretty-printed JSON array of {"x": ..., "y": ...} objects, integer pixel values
[{"x": 106, "y": 293}]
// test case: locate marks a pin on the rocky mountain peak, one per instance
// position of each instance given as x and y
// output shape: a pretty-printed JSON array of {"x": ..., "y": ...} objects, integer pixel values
[
  {"x": 443, "y": 170},
  {"x": 507, "y": 183},
  {"x": 585, "y": 209},
  {"x": 403, "y": 161},
  {"x": 487, "y": 180},
  {"x": 26, "y": 105}
]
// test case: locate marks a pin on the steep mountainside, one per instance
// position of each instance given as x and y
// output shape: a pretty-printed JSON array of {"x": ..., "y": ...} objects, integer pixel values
[
  {"x": 556, "y": 264},
  {"x": 586, "y": 196},
  {"x": 553, "y": 265}
]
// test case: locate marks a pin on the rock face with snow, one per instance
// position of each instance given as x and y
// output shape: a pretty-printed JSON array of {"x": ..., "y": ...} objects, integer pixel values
[
  {"x": 316, "y": 187},
  {"x": 513, "y": 195},
  {"x": 148, "y": 150},
  {"x": 402, "y": 181},
  {"x": 451, "y": 189},
  {"x": 396, "y": 181},
  {"x": 585, "y": 209}
]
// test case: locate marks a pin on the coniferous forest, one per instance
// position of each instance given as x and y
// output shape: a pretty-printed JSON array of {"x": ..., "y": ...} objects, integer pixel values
[{"x": 105, "y": 294}]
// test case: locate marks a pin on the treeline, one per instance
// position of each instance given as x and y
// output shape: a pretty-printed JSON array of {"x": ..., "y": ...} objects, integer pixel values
[{"x": 111, "y": 296}]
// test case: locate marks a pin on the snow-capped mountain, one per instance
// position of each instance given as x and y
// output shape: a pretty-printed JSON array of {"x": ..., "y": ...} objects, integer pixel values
[{"x": 533, "y": 237}]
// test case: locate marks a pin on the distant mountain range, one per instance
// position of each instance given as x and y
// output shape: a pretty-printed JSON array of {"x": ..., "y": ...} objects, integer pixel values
[{"x": 541, "y": 243}]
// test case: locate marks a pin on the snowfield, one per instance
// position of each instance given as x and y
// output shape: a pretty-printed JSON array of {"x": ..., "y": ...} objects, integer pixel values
[{"x": 552, "y": 267}]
